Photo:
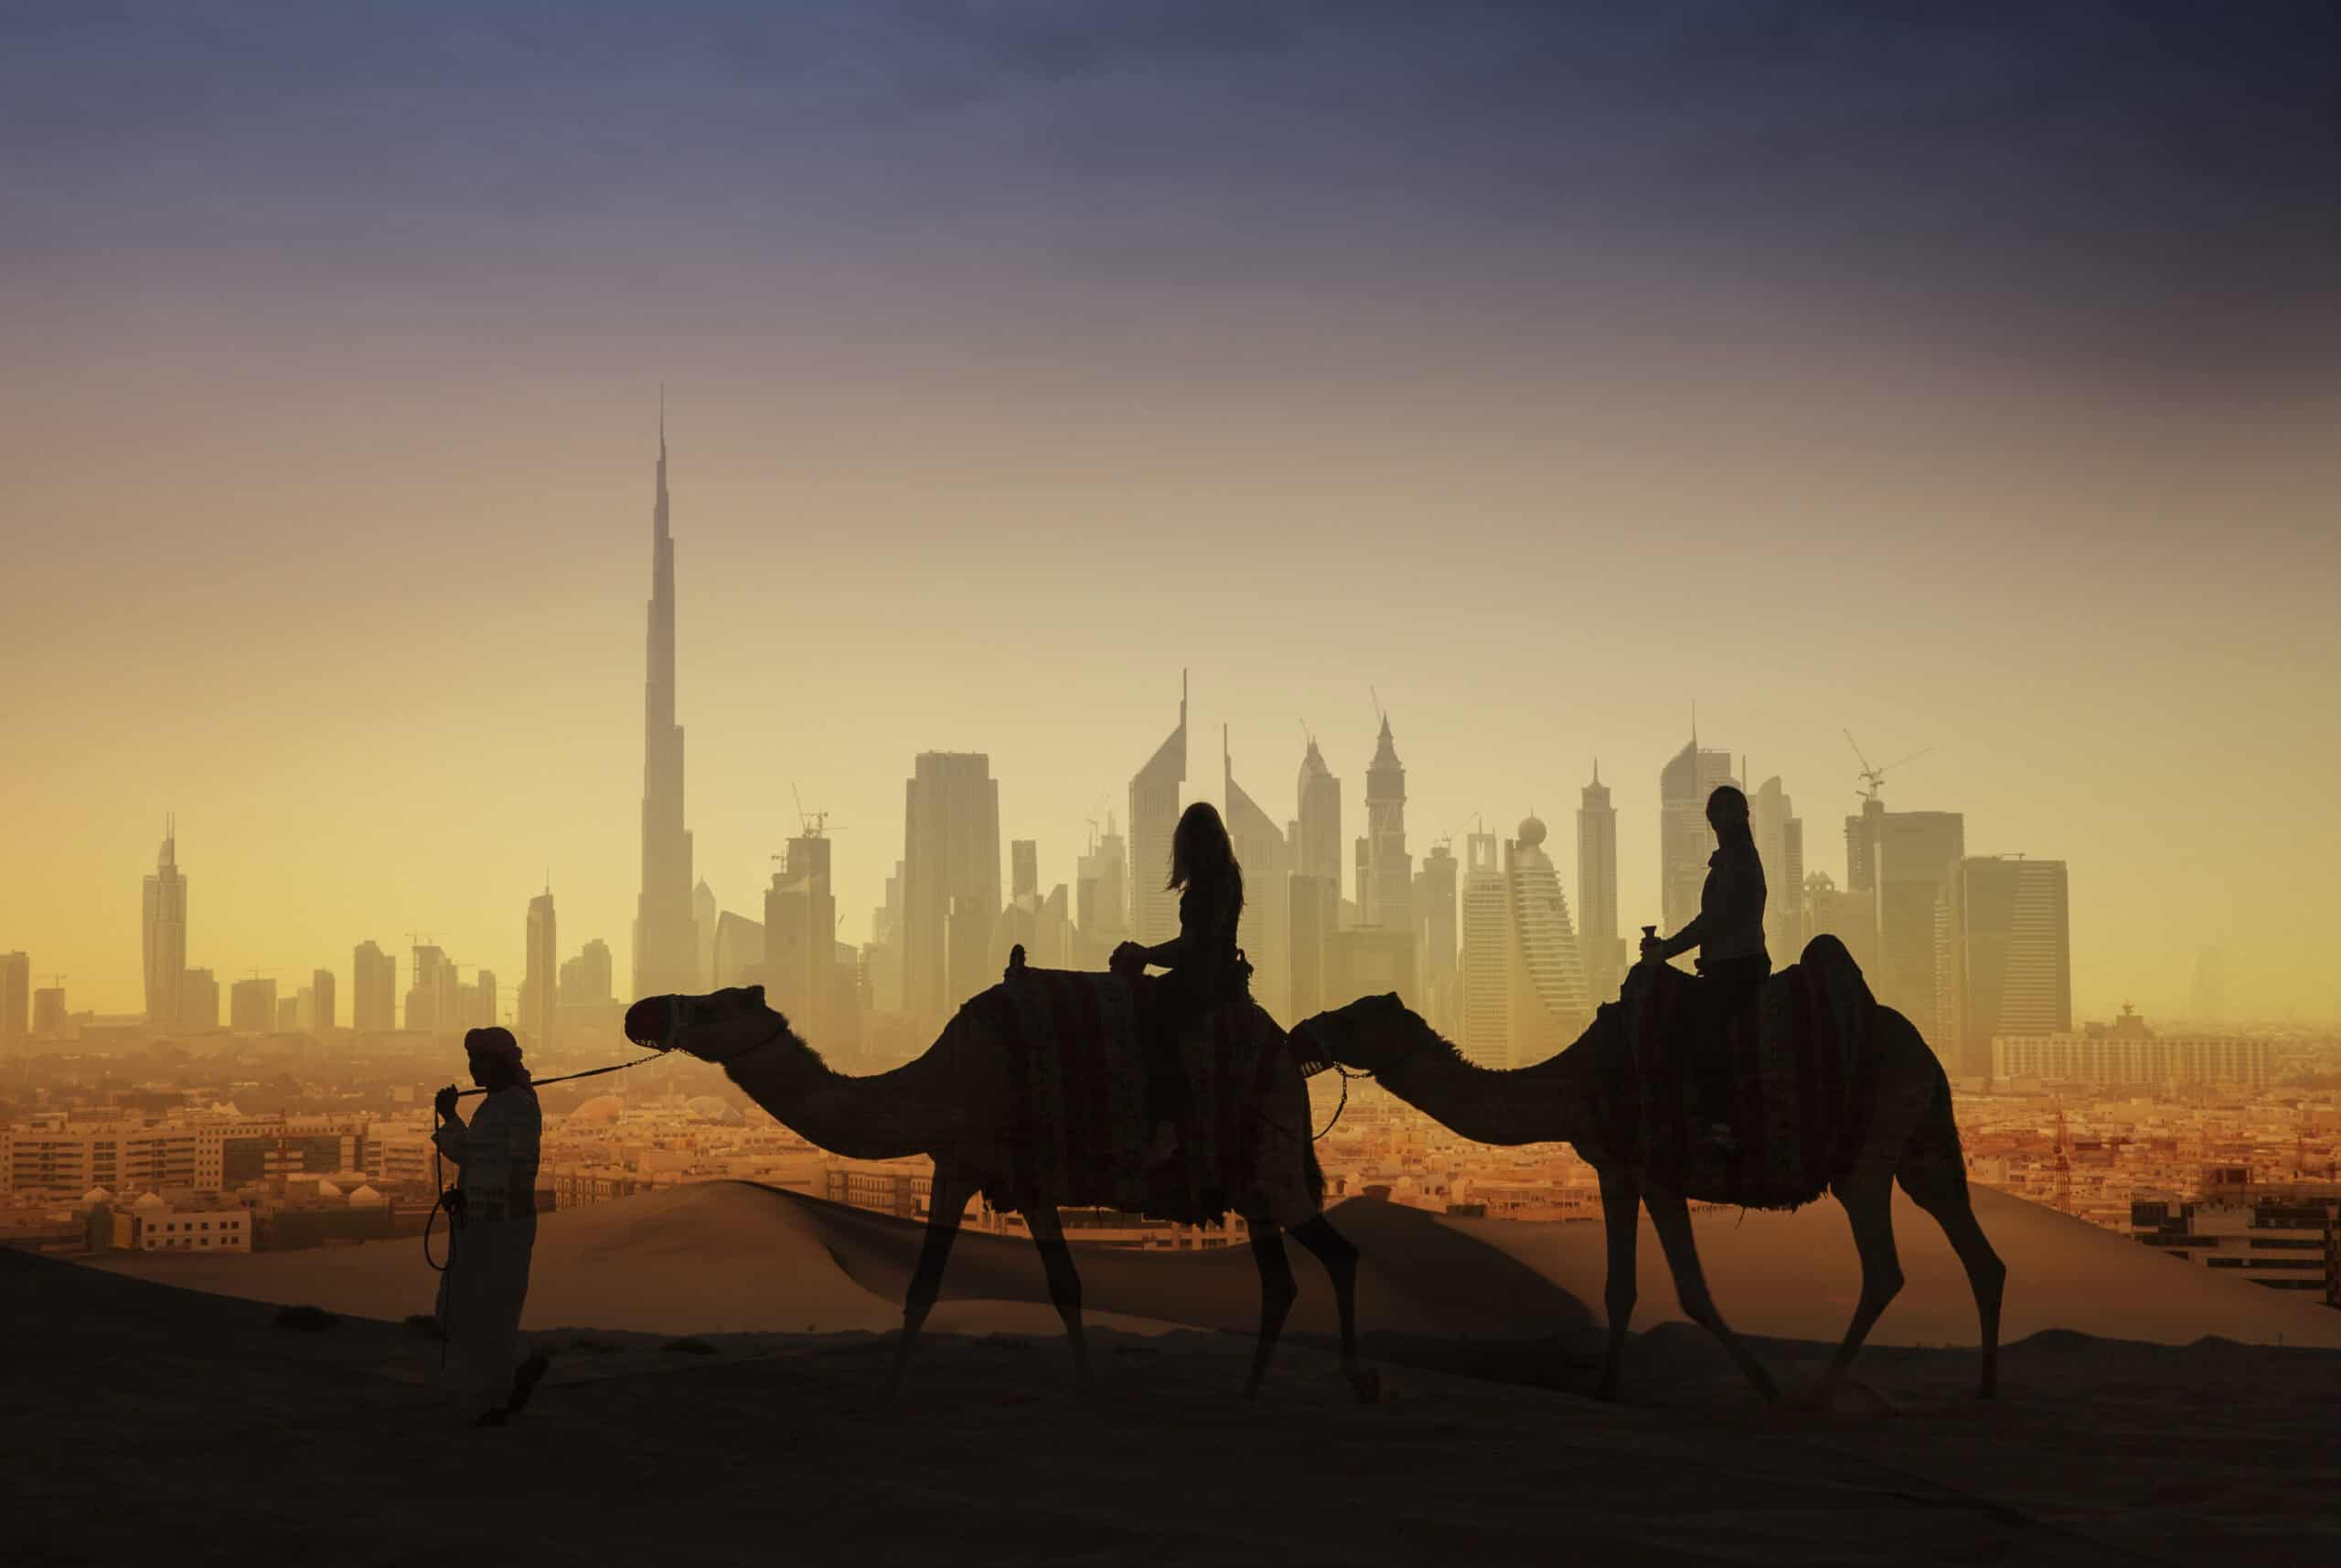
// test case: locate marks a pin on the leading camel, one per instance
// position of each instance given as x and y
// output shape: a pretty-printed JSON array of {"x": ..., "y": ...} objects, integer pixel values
[
  {"x": 1907, "y": 1134},
  {"x": 960, "y": 1104}
]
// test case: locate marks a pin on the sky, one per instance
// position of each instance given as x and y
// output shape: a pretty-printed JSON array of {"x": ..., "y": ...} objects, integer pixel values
[{"x": 1961, "y": 376}]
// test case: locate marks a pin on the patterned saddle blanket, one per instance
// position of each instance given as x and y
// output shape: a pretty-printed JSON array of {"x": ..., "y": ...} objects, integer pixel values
[
  {"x": 1084, "y": 1128},
  {"x": 1801, "y": 1077}
]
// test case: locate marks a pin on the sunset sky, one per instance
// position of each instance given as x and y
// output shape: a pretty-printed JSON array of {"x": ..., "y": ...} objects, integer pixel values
[{"x": 1966, "y": 375}]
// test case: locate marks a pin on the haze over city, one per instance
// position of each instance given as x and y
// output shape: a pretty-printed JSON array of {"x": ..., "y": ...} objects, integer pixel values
[{"x": 1012, "y": 370}]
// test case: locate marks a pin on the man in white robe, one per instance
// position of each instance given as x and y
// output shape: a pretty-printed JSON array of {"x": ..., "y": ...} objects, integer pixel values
[{"x": 487, "y": 1281}]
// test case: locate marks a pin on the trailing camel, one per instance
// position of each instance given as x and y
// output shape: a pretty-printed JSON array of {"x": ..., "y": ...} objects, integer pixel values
[
  {"x": 966, "y": 1104},
  {"x": 1895, "y": 1123}
]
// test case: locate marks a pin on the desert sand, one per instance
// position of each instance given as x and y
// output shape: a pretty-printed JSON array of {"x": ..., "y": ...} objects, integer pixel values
[{"x": 2149, "y": 1413}]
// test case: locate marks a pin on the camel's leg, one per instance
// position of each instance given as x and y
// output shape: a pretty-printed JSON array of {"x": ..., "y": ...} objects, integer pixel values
[
  {"x": 1621, "y": 1204},
  {"x": 1936, "y": 1179},
  {"x": 1339, "y": 1258},
  {"x": 1276, "y": 1293},
  {"x": 1065, "y": 1286},
  {"x": 946, "y": 1204},
  {"x": 1672, "y": 1219},
  {"x": 1867, "y": 1195}
]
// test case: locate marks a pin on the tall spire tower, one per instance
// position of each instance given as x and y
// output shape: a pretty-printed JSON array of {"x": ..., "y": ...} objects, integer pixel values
[
  {"x": 666, "y": 941},
  {"x": 163, "y": 932}
]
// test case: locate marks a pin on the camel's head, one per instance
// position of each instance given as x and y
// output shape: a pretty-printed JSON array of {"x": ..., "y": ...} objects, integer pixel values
[
  {"x": 712, "y": 1028},
  {"x": 1369, "y": 1035}
]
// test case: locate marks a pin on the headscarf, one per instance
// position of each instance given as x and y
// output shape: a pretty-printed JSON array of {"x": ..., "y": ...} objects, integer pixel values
[{"x": 497, "y": 1044}]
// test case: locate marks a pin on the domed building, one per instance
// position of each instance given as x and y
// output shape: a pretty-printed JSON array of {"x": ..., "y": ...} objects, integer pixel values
[
  {"x": 712, "y": 1108},
  {"x": 600, "y": 1108}
]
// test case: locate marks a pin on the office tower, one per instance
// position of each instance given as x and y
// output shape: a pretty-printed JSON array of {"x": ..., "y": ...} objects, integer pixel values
[
  {"x": 1023, "y": 869},
  {"x": 430, "y": 996},
  {"x": 704, "y": 914},
  {"x": 1850, "y": 917},
  {"x": 539, "y": 978},
  {"x": 1312, "y": 911},
  {"x": 16, "y": 999},
  {"x": 1101, "y": 890},
  {"x": 950, "y": 881},
  {"x": 49, "y": 1011},
  {"x": 1779, "y": 847},
  {"x": 881, "y": 960},
  {"x": 288, "y": 1014},
  {"x": 322, "y": 1001},
  {"x": 666, "y": 936},
  {"x": 588, "y": 979},
  {"x": 1862, "y": 831},
  {"x": 1915, "y": 868},
  {"x": 252, "y": 1005},
  {"x": 480, "y": 1000},
  {"x": 2018, "y": 952},
  {"x": 164, "y": 933},
  {"x": 1434, "y": 888},
  {"x": 304, "y": 1007},
  {"x": 739, "y": 951},
  {"x": 1550, "y": 1006},
  {"x": 2211, "y": 984},
  {"x": 1387, "y": 889},
  {"x": 1264, "y": 930},
  {"x": 1684, "y": 839},
  {"x": 800, "y": 934},
  {"x": 1154, "y": 816},
  {"x": 373, "y": 990},
  {"x": 198, "y": 1002},
  {"x": 1316, "y": 838},
  {"x": 1597, "y": 891},
  {"x": 1486, "y": 1032}
]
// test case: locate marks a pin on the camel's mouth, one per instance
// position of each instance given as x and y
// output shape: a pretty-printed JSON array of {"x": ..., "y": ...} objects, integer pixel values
[{"x": 651, "y": 1021}]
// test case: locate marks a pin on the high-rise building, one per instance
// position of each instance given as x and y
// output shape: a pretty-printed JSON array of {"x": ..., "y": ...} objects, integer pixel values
[
  {"x": 950, "y": 881},
  {"x": 1550, "y": 1006},
  {"x": 739, "y": 951},
  {"x": 164, "y": 933},
  {"x": 1264, "y": 931},
  {"x": 800, "y": 935},
  {"x": 666, "y": 934},
  {"x": 2018, "y": 952},
  {"x": 479, "y": 1004},
  {"x": 1154, "y": 816},
  {"x": 541, "y": 977},
  {"x": 704, "y": 914},
  {"x": 1486, "y": 1003},
  {"x": 1779, "y": 848},
  {"x": 1862, "y": 831},
  {"x": 1023, "y": 869},
  {"x": 431, "y": 1000},
  {"x": 1684, "y": 839},
  {"x": 1312, "y": 907},
  {"x": 198, "y": 1002},
  {"x": 48, "y": 1012},
  {"x": 1101, "y": 885},
  {"x": 1597, "y": 891},
  {"x": 288, "y": 1014},
  {"x": 323, "y": 1010},
  {"x": 373, "y": 990},
  {"x": 1435, "y": 885},
  {"x": 1916, "y": 856},
  {"x": 252, "y": 1005},
  {"x": 589, "y": 978},
  {"x": 16, "y": 999},
  {"x": 1850, "y": 917},
  {"x": 1386, "y": 891},
  {"x": 1316, "y": 838}
]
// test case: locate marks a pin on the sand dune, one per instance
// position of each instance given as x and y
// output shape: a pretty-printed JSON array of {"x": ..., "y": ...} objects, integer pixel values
[{"x": 732, "y": 1258}]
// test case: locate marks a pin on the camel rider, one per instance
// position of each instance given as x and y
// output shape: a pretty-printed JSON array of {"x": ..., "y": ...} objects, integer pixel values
[
  {"x": 1729, "y": 934},
  {"x": 495, "y": 1233},
  {"x": 1205, "y": 970}
]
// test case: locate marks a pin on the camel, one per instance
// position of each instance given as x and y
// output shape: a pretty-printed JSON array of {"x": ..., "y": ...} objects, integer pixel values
[
  {"x": 1908, "y": 1134},
  {"x": 958, "y": 1103}
]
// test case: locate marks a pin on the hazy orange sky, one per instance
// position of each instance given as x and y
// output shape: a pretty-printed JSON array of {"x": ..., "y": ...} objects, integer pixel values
[{"x": 1973, "y": 387}]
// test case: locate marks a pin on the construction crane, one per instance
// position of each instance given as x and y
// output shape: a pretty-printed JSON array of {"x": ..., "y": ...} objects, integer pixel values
[
  {"x": 1448, "y": 837},
  {"x": 1874, "y": 779},
  {"x": 811, "y": 823}
]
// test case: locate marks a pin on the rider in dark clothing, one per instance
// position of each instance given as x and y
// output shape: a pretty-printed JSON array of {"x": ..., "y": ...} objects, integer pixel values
[
  {"x": 1729, "y": 934},
  {"x": 1204, "y": 969}
]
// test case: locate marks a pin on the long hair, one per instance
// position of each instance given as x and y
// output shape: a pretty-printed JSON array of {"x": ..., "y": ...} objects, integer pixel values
[{"x": 1201, "y": 851}]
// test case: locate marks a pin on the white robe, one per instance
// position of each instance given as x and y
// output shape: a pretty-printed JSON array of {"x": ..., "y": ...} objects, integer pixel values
[{"x": 487, "y": 1281}]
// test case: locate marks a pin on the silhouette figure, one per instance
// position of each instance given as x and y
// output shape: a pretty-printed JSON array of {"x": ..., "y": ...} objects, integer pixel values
[
  {"x": 1894, "y": 1124},
  {"x": 1729, "y": 932},
  {"x": 493, "y": 1226},
  {"x": 966, "y": 1103},
  {"x": 1201, "y": 960}
]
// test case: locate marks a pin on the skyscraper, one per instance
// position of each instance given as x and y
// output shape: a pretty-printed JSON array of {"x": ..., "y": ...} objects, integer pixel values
[
  {"x": 1435, "y": 885},
  {"x": 1684, "y": 839},
  {"x": 373, "y": 990},
  {"x": 1779, "y": 847},
  {"x": 16, "y": 998},
  {"x": 587, "y": 980},
  {"x": 200, "y": 1002},
  {"x": 541, "y": 979},
  {"x": 432, "y": 1001},
  {"x": 950, "y": 881},
  {"x": 1486, "y": 955},
  {"x": 1261, "y": 850},
  {"x": 252, "y": 1005},
  {"x": 800, "y": 934},
  {"x": 1916, "y": 870},
  {"x": 164, "y": 933},
  {"x": 1597, "y": 891},
  {"x": 704, "y": 913},
  {"x": 322, "y": 1009},
  {"x": 1317, "y": 841},
  {"x": 1101, "y": 904},
  {"x": 1154, "y": 816},
  {"x": 2018, "y": 952},
  {"x": 1550, "y": 1006},
  {"x": 666, "y": 936},
  {"x": 1388, "y": 902},
  {"x": 1024, "y": 869}
]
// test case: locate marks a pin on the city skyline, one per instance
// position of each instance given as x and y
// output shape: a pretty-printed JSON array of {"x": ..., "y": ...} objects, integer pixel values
[{"x": 1006, "y": 386}]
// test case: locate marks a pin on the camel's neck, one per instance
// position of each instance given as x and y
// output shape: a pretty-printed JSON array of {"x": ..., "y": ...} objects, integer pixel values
[
  {"x": 888, "y": 1116},
  {"x": 1543, "y": 1104}
]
